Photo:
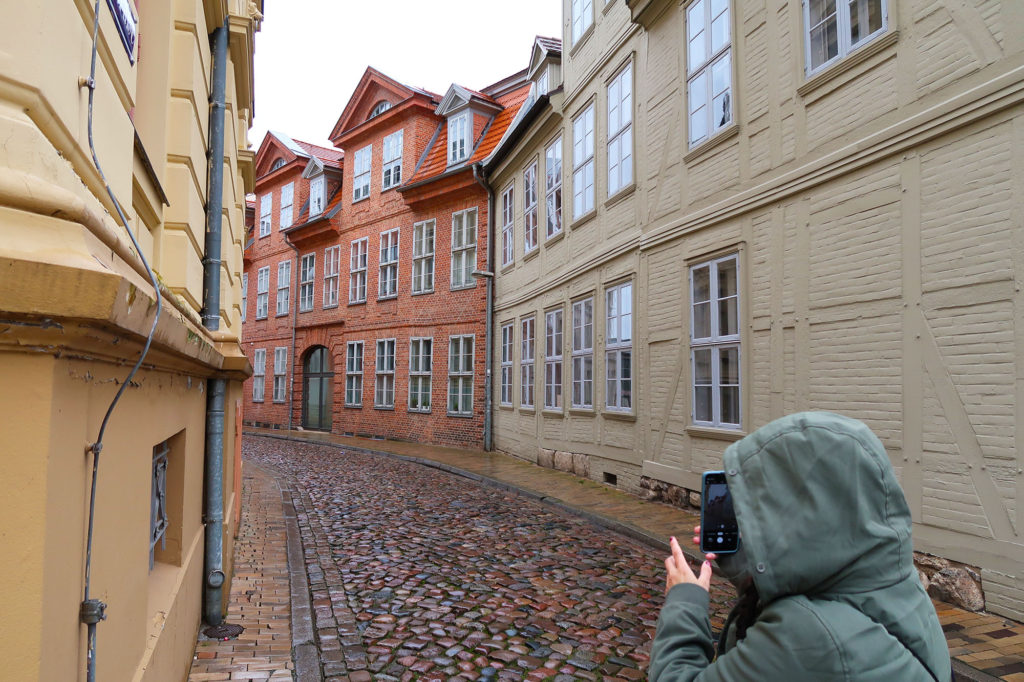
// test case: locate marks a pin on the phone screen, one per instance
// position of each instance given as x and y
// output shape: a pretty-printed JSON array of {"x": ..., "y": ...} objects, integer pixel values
[{"x": 719, "y": 532}]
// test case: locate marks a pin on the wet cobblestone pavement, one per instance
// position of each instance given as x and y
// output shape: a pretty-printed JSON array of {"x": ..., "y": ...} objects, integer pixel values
[{"x": 417, "y": 574}]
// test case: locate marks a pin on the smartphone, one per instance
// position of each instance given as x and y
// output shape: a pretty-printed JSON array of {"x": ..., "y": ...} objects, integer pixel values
[{"x": 719, "y": 532}]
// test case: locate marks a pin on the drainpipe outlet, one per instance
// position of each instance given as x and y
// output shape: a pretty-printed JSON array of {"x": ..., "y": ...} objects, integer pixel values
[{"x": 215, "y": 578}]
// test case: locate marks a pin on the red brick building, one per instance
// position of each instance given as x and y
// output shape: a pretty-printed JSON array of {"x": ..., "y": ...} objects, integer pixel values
[{"x": 388, "y": 315}]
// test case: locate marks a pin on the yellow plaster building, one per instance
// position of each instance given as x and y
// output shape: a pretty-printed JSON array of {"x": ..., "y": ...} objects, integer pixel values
[{"x": 77, "y": 305}]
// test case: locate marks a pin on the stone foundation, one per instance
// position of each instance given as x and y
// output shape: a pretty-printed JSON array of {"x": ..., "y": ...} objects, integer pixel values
[
  {"x": 949, "y": 581},
  {"x": 677, "y": 496}
]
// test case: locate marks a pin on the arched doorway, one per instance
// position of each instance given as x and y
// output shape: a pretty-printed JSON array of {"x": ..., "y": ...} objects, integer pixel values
[{"x": 317, "y": 389}]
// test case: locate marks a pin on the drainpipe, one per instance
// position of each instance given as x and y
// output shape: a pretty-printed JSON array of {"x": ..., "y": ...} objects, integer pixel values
[
  {"x": 213, "y": 484},
  {"x": 489, "y": 324},
  {"x": 295, "y": 323}
]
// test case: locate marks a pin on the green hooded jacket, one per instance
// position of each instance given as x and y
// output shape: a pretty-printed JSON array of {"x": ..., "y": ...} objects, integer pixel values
[{"x": 825, "y": 532}]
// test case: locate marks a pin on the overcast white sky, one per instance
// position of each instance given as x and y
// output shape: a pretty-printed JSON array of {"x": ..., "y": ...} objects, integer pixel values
[{"x": 310, "y": 54}]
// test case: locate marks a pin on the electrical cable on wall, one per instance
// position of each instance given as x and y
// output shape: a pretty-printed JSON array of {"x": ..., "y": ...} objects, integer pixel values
[{"x": 92, "y": 610}]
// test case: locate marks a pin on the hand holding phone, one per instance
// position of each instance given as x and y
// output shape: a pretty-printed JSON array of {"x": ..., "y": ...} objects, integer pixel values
[{"x": 719, "y": 531}]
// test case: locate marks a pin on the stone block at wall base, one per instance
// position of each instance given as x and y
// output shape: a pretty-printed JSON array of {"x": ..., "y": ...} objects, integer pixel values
[
  {"x": 581, "y": 465},
  {"x": 546, "y": 458},
  {"x": 949, "y": 581},
  {"x": 677, "y": 496},
  {"x": 563, "y": 461}
]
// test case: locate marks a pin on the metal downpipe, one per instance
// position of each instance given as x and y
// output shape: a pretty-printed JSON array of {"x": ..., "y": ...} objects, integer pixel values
[
  {"x": 214, "y": 474},
  {"x": 489, "y": 322}
]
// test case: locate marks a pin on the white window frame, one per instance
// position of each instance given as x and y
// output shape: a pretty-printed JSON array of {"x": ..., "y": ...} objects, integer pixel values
[
  {"x": 263, "y": 293},
  {"x": 361, "y": 173},
  {"x": 507, "y": 341},
  {"x": 530, "y": 208},
  {"x": 307, "y": 275},
  {"x": 583, "y": 162},
  {"x": 259, "y": 375},
  {"x": 421, "y": 365},
  {"x": 553, "y": 185},
  {"x": 424, "y": 234},
  {"x": 844, "y": 26},
  {"x": 358, "y": 255},
  {"x": 583, "y": 353},
  {"x": 354, "y": 374},
  {"x": 332, "y": 269},
  {"x": 620, "y": 131},
  {"x": 459, "y": 129},
  {"x": 384, "y": 367},
  {"x": 387, "y": 281},
  {"x": 542, "y": 82},
  {"x": 582, "y": 18},
  {"x": 391, "y": 170},
  {"x": 287, "y": 211},
  {"x": 284, "y": 274},
  {"x": 245, "y": 294},
  {"x": 317, "y": 195},
  {"x": 508, "y": 213},
  {"x": 266, "y": 211},
  {"x": 463, "y": 249},
  {"x": 617, "y": 346},
  {"x": 528, "y": 337},
  {"x": 460, "y": 374},
  {"x": 553, "y": 367},
  {"x": 703, "y": 61},
  {"x": 715, "y": 341},
  {"x": 280, "y": 374}
]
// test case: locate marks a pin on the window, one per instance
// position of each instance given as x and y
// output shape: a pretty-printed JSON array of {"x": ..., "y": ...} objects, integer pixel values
[
  {"x": 361, "y": 168},
  {"x": 392, "y": 174},
  {"x": 553, "y": 360},
  {"x": 553, "y": 172},
  {"x": 458, "y": 138},
  {"x": 317, "y": 195},
  {"x": 460, "y": 374},
  {"x": 423, "y": 257},
  {"x": 526, "y": 364},
  {"x": 542, "y": 82},
  {"x": 620, "y": 130},
  {"x": 463, "y": 248},
  {"x": 384, "y": 395},
  {"x": 583, "y": 353},
  {"x": 287, "y": 198},
  {"x": 530, "y": 208},
  {"x": 715, "y": 342},
  {"x": 507, "y": 226},
  {"x": 262, "y": 292},
  {"x": 582, "y": 18},
  {"x": 709, "y": 70},
  {"x": 583, "y": 163},
  {"x": 266, "y": 206},
  {"x": 259, "y": 372},
  {"x": 379, "y": 108},
  {"x": 421, "y": 360},
  {"x": 506, "y": 364},
  {"x": 387, "y": 285},
  {"x": 357, "y": 271},
  {"x": 307, "y": 271},
  {"x": 245, "y": 293},
  {"x": 354, "y": 374},
  {"x": 836, "y": 27},
  {"x": 284, "y": 282},
  {"x": 158, "y": 501},
  {"x": 280, "y": 372},
  {"x": 619, "y": 348},
  {"x": 332, "y": 262}
]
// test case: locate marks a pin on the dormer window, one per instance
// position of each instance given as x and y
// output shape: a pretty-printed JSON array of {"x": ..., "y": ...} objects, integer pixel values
[
  {"x": 458, "y": 138},
  {"x": 379, "y": 108},
  {"x": 317, "y": 195},
  {"x": 277, "y": 164},
  {"x": 542, "y": 82}
]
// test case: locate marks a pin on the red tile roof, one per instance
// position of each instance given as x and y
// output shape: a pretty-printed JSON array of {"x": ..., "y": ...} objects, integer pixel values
[
  {"x": 550, "y": 44},
  {"x": 328, "y": 154}
]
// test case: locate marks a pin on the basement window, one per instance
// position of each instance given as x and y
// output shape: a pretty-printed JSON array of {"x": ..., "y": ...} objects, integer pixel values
[{"x": 158, "y": 501}]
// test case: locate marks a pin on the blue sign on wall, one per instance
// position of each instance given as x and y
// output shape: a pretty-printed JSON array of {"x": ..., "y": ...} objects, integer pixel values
[{"x": 127, "y": 25}]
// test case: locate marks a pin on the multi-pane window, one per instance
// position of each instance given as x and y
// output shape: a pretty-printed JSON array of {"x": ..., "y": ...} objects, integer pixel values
[
  {"x": 507, "y": 336},
  {"x": 619, "y": 348},
  {"x": 262, "y": 292},
  {"x": 266, "y": 204},
  {"x": 582, "y": 18},
  {"x": 387, "y": 284},
  {"x": 317, "y": 194},
  {"x": 245, "y": 293},
  {"x": 526, "y": 363},
  {"x": 423, "y": 257},
  {"x": 287, "y": 198},
  {"x": 259, "y": 374},
  {"x": 361, "y": 178},
  {"x": 530, "y": 208},
  {"x": 463, "y": 248},
  {"x": 553, "y": 360},
  {"x": 421, "y": 357},
  {"x": 280, "y": 373},
  {"x": 583, "y": 353},
  {"x": 836, "y": 27},
  {"x": 392, "y": 172},
  {"x": 709, "y": 70},
  {"x": 354, "y": 373},
  {"x": 158, "y": 521},
  {"x": 715, "y": 342},
  {"x": 507, "y": 226},
  {"x": 284, "y": 284},
  {"x": 542, "y": 82},
  {"x": 460, "y": 374},
  {"x": 553, "y": 173},
  {"x": 332, "y": 264},
  {"x": 384, "y": 395},
  {"x": 620, "y": 130},
  {"x": 357, "y": 271},
  {"x": 583, "y": 163},
  {"x": 307, "y": 271},
  {"x": 458, "y": 138}
]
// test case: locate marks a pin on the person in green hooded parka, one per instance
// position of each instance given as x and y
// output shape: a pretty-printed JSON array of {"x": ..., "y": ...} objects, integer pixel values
[{"x": 825, "y": 573}]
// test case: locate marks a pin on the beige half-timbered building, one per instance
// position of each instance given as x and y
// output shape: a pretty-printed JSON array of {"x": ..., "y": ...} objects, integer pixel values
[{"x": 772, "y": 206}]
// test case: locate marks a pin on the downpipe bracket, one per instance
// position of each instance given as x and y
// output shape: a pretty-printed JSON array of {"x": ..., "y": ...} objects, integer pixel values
[{"x": 92, "y": 611}]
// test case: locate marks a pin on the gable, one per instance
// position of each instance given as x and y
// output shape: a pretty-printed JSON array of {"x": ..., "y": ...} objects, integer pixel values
[
  {"x": 373, "y": 88},
  {"x": 272, "y": 149}
]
